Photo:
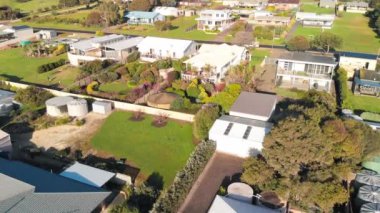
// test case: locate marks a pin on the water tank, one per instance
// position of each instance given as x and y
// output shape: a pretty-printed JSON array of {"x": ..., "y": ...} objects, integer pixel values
[
  {"x": 77, "y": 108},
  {"x": 240, "y": 191},
  {"x": 368, "y": 194},
  {"x": 57, "y": 106},
  {"x": 367, "y": 177},
  {"x": 370, "y": 208}
]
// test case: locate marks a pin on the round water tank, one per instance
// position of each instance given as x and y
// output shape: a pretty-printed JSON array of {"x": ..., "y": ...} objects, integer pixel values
[
  {"x": 77, "y": 108},
  {"x": 240, "y": 191},
  {"x": 368, "y": 194},
  {"x": 370, "y": 208},
  {"x": 367, "y": 177},
  {"x": 57, "y": 106}
]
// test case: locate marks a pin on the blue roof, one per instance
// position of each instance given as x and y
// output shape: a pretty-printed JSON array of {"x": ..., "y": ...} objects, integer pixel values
[
  {"x": 368, "y": 83},
  {"x": 358, "y": 55},
  {"x": 141, "y": 14},
  {"x": 42, "y": 180}
]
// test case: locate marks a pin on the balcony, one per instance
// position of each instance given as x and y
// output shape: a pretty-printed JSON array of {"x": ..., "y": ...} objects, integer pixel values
[{"x": 303, "y": 74}]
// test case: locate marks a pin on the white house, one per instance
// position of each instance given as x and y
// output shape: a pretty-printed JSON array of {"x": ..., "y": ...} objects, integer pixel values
[
  {"x": 315, "y": 20},
  {"x": 242, "y": 132},
  {"x": 46, "y": 34},
  {"x": 270, "y": 21},
  {"x": 167, "y": 11},
  {"x": 214, "y": 20},
  {"x": 154, "y": 48},
  {"x": 143, "y": 17},
  {"x": 213, "y": 61},
  {"x": 357, "y": 7},
  {"x": 245, "y": 3},
  {"x": 115, "y": 47},
  {"x": 305, "y": 71},
  {"x": 355, "y": 61},
  {"x": 260, "y": 13}
]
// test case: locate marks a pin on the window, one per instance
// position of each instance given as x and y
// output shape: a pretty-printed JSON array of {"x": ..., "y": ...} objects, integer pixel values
[
  {"x": 247, "y": 131},
  {"x": 288, "y": 65},
  {"x": 229, "y": 127}
]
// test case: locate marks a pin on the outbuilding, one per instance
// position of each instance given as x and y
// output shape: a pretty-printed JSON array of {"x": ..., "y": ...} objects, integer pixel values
[
  {"x": 351, "y": 61},
  {"x": 77, "y": 107},
  {"x": 102, "y": 107},
  {"x": 57, "y": 106},
  {"x": 46, "y": 34}
]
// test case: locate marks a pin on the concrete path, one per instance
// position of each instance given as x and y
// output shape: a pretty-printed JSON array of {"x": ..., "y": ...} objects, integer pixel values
[{"x": 219, "y": 168}]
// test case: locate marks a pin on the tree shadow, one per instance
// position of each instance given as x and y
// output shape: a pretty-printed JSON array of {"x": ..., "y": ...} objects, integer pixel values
[{"x": 155, "y": 180}]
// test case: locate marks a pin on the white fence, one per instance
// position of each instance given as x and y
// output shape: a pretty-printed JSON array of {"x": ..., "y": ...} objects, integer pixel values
[{"x": 118, "y": 104}]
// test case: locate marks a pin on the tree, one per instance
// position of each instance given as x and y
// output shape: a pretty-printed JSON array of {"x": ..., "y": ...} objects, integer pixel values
[
  {"x": 109, "y": 13},
  {"x": 94, "y": 19},
  {"x": 140, "y": 5},
  {"x": 327, "y": 41},
  {"x": 377, "y": 24},
  {"x": 226, "y": 98},
  {"x": 32, "y": 96},
  {"x": 168, "y": 3},
  {"x": 203, "y": 121},
  {"x": 68, "y": 3},
  {"x": 298, "y": 43},
  {"x": 257, "y": 172},
  {"x": 162, "y": 25}
]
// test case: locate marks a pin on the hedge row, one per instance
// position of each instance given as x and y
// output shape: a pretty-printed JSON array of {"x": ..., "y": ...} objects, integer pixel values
[
  {"x": 171, "y": 200},
  {"x": 51, "y": 66},
  {"x": 342, "y": 90}
]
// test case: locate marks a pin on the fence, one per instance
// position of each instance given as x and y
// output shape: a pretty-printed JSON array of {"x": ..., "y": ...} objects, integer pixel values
[{"x": 117, "y": 104}]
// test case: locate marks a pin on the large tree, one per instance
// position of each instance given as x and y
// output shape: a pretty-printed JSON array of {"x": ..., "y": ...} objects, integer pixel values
[
  {"x": 109, "y": 12},
  {"x": 327, "y": 41},
  {"x": 203, "y": 121},
  {"x": 141, "y": 5},
  {"x": 298, "y": 43}
]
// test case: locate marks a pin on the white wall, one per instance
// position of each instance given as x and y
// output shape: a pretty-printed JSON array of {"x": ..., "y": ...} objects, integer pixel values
[{"x": 350, "y": 64}]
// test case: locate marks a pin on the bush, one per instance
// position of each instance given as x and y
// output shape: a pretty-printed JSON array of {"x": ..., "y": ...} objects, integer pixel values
[
  {"x": 369, "y": 116},
  {"x": 203, "y": 121},
  {"x": 133, "y": 57},
  {"x": 162, "y": 25},
  {"x": 341, "y": 83},
  {"x": 92, "y": 87},
  {"x": 178, "y": 65},
  {"x": 164, "y": 64},
  {"x": 32, "y": 96},
  {"x": 177, "y": 104},
  {"x": 62, "y": 121},
  {"x": 172, "y": 199},
  {"x": 80, "y": 122},
  {"x": 107, "y": 77},
  {"x": 193, "y": 91},
  {"x": 51, "y": 66},
  {"x": 92, "y": 67}
]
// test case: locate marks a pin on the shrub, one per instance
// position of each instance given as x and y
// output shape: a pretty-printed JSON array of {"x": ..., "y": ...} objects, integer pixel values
[
  {"x": 178, "y": 65},
  {"x": 203, "y": 121},
  {"x": 164, "y": 64},
  {"x": 341, "y": 82},
  {"x": 80, "y": 122},
  {"x": 51, "y": 66},
  {"x": 92, "y": 67},
  {"x": 133, "y": 57},
  {"x": 177, "y": 104},
  {"x": 174, "y": 75},
  {"x": 162, "y": 25},
  {"x": 62, "y": 121},
  {"x": 107, "y": 77},
  {"x": 369, "y": 116},
  {"x": 99, "y": 33},
  {"x": 92, "y": 87},
  {"x": 32, "y": 96},
  {"x": 193, "y": 91},
  {"x": 172, "y": 199}
]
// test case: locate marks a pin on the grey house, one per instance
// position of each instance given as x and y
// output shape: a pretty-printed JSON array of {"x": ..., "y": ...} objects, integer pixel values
[
  {"x": 327, "y": 3},
  {"x": 25, "y": 188}
]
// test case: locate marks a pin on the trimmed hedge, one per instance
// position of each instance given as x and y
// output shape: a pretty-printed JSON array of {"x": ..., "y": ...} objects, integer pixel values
[
  {"x": 342, "y": 90},
  {"x": 51, "y": 66},
  {"x": 172, "y": 199},
  {"x": 369, "y": 116}
]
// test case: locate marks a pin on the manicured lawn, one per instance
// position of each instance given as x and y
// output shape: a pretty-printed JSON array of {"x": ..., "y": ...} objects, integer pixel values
[
  {"x": 365, "y": 103},
  {"x": 164, "y": 150},
  {"x": 29, "y": 5},
  {"x": 290, "y": 93},
  {"x": 258, "y": 56},
  {"x": 180, "y": 24},
  {"x": 16, "y": 66},
  {"x": 353, "y": 28},
  {"x": 313, "y": 8},
  {"x": 116, "y": 86}
]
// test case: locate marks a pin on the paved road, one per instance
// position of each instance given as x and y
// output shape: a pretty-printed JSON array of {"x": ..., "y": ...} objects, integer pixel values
[{"x": 220, "y": 167}]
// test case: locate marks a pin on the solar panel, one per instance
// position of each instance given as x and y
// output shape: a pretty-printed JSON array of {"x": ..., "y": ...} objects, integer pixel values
[
  {"x": 227, "y": 131},
  {"x": 247, "y": 131}
]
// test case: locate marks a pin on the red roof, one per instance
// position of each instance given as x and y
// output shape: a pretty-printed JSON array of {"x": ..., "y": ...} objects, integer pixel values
[{"x": 284, "y": 1}]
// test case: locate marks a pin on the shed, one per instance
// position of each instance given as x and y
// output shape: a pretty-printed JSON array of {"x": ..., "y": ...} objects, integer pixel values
[
  {"x": 57, "y": 106},
  {"x": 240, "y": 191},
  {"x": 370, "y": 208},
  {"x": 228, "y": 205},
  {"x": 88, "y": 175},
  {"x": 102, "y": 107},
  {"x": 46, "y": 34},
  {"x": 77, "y": 107}
]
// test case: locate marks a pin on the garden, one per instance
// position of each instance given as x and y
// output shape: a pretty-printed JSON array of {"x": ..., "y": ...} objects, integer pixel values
[{"x": 153, "y": 149}]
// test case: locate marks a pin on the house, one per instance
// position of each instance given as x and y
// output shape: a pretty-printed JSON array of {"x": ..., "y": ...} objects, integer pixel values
[
  {"x": 260, "y": 13},
  {"x": 187, "y": 12},
  {"x": 367, "y": 82},
  {"x": 357, "y": 7},
  {"x": 242, "y": 132},
  {"x": 212, "y": 61},
  {"x": 25, "y": 188},
  {"x": 194, "y": 3},
  {"x": 46, "y": 34},
  {"x": 154, "y": 48},
  {"x": 115, "y": 47},
  {"x": 270, "y": 21},
  {"x": 214, "y": 20},
  {"x": 167, "y": 11},
  {"x": 327, "y": 3},
  {"x": 143, "y": 17},
  {"x": 21, "y": 31},
  {"x": 351, "y": 61},
  {"x": 324, "y": 21},
  {"x": 245, "y": 3},
  {"x": 305, "y": 71},
  {"x": 284, "y": 4}
]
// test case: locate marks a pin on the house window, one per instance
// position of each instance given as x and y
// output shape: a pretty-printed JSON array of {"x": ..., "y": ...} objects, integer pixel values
[{"x": 288, "y": 65}]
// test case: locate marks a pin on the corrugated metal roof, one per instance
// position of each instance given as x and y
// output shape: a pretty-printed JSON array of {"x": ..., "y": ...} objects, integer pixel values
[
  {"x": 308, "y": 57},
  {"x": 87, "y": 174},
  {"x": 125, "y": 44}
]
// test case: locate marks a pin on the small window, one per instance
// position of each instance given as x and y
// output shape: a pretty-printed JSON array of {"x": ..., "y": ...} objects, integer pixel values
[
  {"x": 246, "y": 133},
  {"x": 229, "y": 127}
]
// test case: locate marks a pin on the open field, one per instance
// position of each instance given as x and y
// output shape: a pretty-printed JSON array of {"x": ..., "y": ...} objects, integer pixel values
[
  {"x": 164, "y": 150},
  {"x": 365, "y": 103},
  {"x": 353, "y": 28},
  {"x": 29, "y": 5},
  {"x": 313, "y": 8}
]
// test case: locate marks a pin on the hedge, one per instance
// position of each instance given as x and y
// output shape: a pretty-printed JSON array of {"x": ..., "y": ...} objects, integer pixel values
[
  {"x": 342, "y": 90},
  {"x": 51, "y": 66},
  {"x": 369, "y": 116},
  {"x": 172, "y": 199}
]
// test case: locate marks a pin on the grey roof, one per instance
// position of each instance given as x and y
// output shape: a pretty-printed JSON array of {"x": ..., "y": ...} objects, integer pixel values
[
  {"x": 358, "y": 55},
  {"x": 141, "y": 14},
  {"x": 125, "y": 44},
  {"x": 246, "y": 121},
  {"x": 88, "y": 174},
  {"x": 259, "y": 104},
  {"x": 308, "y": 57},
  {"x": 52, "y": 193},
  {"x": 357, "y": 4},
  {"x": 59, "y": 101},
  {"x": 88, "y": 43}
]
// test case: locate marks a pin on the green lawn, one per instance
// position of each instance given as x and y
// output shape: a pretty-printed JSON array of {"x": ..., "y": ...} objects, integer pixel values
[
  {"x": 164, "y": 150},
  {"x": 365, "y": 103},
  {"x": 16, "y": 66},
  {"x": 29, "y": 5},
  {"x": 258, "y": 56},
  {"x": 354, "y": 29},
  {"x": 314, "y": 8},
  {"x": 290, "y": 93},
  {"x": 116, "y": 86}
]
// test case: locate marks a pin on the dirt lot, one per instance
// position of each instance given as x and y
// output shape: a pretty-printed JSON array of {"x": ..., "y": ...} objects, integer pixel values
[{"x": 64, "y": 136}]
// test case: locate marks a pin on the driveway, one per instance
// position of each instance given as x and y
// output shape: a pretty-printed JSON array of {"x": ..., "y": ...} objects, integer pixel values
[{"x": 221, "y": 167}]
